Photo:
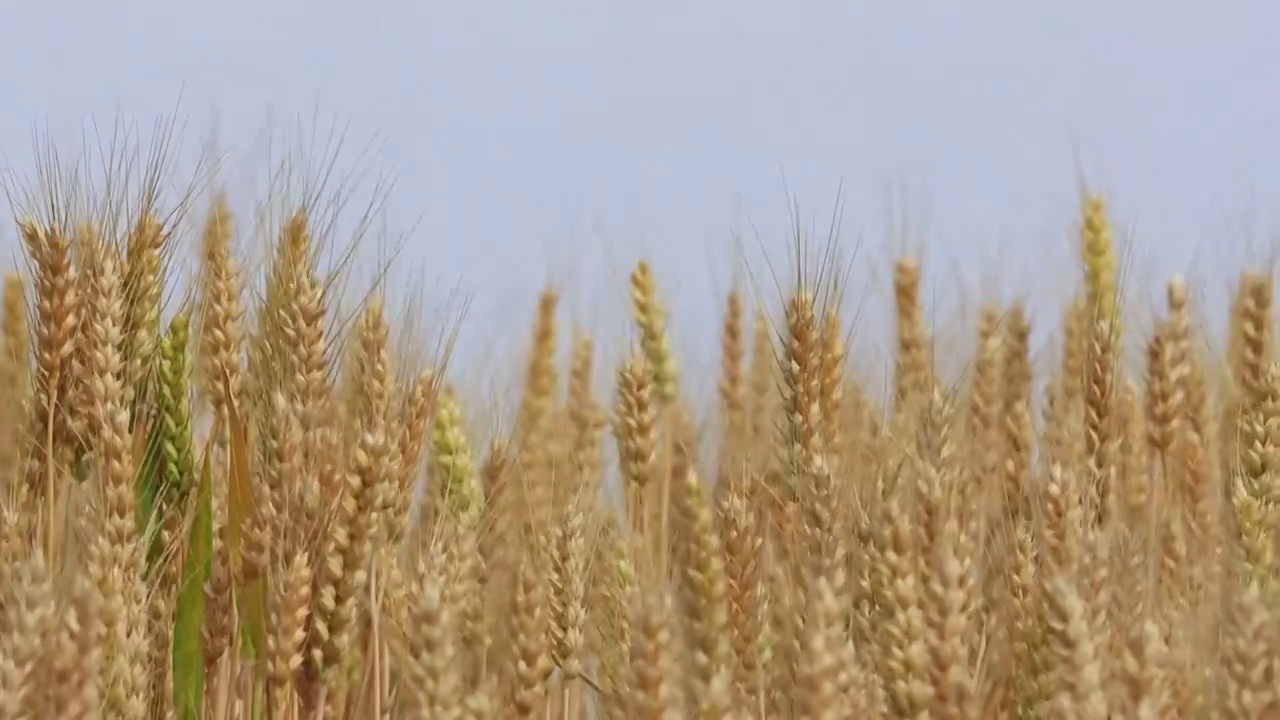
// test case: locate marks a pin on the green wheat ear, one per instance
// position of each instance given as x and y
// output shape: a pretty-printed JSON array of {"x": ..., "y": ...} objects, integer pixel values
[
  {"x": 453, "y": 468},
  {"x": 167, "y": 471},
  {"x": 175, "y": 409}
]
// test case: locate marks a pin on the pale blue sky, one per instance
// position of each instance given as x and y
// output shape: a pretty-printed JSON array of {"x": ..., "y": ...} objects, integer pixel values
[{"x": 565, "y": 138}]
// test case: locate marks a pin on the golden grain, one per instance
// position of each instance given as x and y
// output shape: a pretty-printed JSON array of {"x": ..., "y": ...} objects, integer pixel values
[{"x": 1087, "y": 542}]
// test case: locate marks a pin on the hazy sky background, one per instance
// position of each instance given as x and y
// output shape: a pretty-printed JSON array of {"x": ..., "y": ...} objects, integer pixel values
[{"x": 562, "y": 139}]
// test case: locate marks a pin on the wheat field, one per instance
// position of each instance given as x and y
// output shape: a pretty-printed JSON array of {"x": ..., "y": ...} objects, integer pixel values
[{"x": 234, "y": 498}]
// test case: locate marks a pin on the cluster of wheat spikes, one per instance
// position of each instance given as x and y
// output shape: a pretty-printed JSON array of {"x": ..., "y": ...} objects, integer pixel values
[{"x": 245, "y": 509}]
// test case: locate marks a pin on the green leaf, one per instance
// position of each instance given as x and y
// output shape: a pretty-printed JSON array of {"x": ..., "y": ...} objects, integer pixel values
[
  {"x": 81, "y": 469},
  {"x": 241, "y": 509},
  {"x": 148, "y": 438},
  {"x": 188, "y": 640}
]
